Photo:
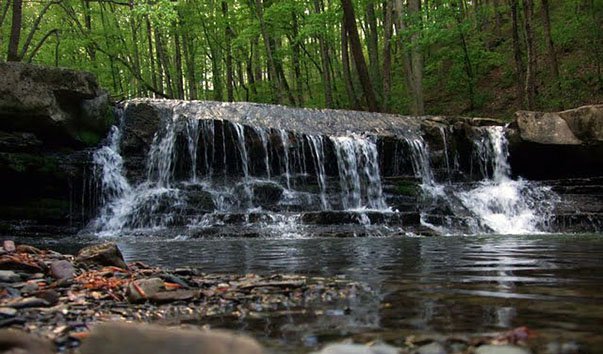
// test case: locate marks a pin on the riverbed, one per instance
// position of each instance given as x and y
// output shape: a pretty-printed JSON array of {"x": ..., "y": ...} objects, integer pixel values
[{"x": 426, "y": 287}]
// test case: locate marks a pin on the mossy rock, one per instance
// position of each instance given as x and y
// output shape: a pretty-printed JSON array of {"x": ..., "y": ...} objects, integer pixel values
[{"x": 409, "y": 189}]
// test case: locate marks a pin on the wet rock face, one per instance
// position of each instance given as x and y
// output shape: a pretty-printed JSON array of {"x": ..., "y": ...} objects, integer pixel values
[{"x": 48, "y": 117}]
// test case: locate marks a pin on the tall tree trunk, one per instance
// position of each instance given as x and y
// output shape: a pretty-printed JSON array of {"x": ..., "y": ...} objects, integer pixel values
[
  {"x": 349, "y": 20},
  {"x": 387, "y": 53},
  {"x": 250, "y": 73},
  {"x": 412, "y": 57},
  {"x": 546, "y": 20},
  {"x": 151, "y": 55},
  {"x": 275, "y": 83},
  {"x": 372, "y": 46},
  {"x": 324, "y": 57},
  {"x": 347, "y": 73},
  {"x": 229, "y": 71},
  {"x": 189, "y": 58},
  {"x": 88, "y": 23},
  {"x": 299, "y": 85},
  {"x": 517, "y": 55},
  {"x": 530, "y": 83},
  {"x": 178, "y": 63},
  {"x": 15, "y": 31}
]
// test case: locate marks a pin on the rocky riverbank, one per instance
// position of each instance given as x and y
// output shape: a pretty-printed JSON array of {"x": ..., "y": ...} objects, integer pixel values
[{"x": 96, "y": 303}]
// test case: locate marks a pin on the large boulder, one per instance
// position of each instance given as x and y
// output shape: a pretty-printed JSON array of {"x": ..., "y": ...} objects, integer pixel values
[
  {"x": 61, "y": 107},
  {"x": 49, "y": 117},
  {"x": 115, "y": 338},
  {"x": 557, "y": 145}
]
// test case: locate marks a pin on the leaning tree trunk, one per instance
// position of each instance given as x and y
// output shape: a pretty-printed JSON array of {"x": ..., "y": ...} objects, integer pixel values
[{"x": 349, "y": 20}]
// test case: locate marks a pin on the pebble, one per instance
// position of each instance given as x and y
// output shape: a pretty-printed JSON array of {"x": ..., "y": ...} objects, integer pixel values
[
  {"x": 501, "y": 349},
  {"x": 432, "y": 348},
  {"x": 62, "y": 269},
  {"x": 29, "y": 288},
  {"x": 8, "y": 276},
  {"x": 9, "y": 246}
]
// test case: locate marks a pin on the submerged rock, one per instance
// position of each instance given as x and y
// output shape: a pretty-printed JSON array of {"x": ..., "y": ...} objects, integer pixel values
[{"x": 116, "y": 338}]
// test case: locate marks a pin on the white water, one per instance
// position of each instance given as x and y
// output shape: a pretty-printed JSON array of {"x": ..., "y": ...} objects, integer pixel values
[
  {"x": 504, "y": 205},
  {"x": 163, "y": 198},
  {"x": 173, "y": 194}
]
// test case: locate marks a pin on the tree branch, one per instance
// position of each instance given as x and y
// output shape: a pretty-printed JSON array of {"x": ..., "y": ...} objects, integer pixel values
[
  {"x": 35, "y": 27},
  {"x": 39, "y": 45}
]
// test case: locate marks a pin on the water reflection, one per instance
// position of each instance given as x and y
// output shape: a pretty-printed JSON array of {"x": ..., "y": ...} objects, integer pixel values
[{"x": 550, "y": 283}]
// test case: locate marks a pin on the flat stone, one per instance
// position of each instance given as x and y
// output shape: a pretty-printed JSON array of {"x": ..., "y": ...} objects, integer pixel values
[
  {"x": 8, "y": 276},
  {"x": 117, "y": 337},
  {"x": 62, "y": 269},
  {"x": 27, "y": 302},
  {"x": 143, "y": 289},
  {"x": 9, "y": 246},
  {"x": 358, "y": 349},
  {"x": 8, "y": 311},
  {"x": 432, "y": 348},
  {"x": 106, "y": 254},
  {"x": 170, "y": 296},
  {"x": 501, "y": 349},
  {"x": 12, "y": 341}
]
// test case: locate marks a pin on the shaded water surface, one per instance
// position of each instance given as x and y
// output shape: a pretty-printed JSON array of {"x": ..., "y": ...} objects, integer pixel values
[{"x": 447, "y": 285}]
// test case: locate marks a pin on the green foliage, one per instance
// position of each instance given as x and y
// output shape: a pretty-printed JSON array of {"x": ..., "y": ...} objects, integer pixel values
[{"x": 179, "y": 48}]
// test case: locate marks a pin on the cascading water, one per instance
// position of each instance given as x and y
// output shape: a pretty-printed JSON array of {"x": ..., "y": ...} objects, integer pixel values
[
  {"x": 504, "y": 205},
  {"x": 181, "y": 186},
  {"x": 209, "y": 173}
]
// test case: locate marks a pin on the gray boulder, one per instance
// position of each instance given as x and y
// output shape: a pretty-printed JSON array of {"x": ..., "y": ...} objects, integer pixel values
[{"x": 60, "y": 106}]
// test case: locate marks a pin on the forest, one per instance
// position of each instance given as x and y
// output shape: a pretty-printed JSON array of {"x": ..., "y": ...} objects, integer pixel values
[{"x": 478, "y": 57}]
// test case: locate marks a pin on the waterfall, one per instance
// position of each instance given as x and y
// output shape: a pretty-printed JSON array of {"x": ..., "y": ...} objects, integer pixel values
[
  {"x": 501, "y": 204},
  {"x": 179, "y": 187},
  {"x": 357, "y": 162},
  {"x": 276, "y": 179}
]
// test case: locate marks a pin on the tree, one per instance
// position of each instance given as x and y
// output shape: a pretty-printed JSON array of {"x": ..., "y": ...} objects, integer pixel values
[{"x": 349, "y": 21}]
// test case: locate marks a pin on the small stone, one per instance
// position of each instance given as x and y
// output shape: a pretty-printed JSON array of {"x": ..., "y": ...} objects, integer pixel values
[
  {"x": 50, "y": 296},
  {"x": 432, "y": 348},
  {"x": 358, "y": 349},
  {"x": 27, "y": 302},
  {"x": 501, "y": 349},
  {"x": 142, "y": 289},
  {"x": 62, "y": 269},
  {"x": 9, "y": 246},
  {"x": 8, "y": 276},
  {"x": 117, "y": 337},
  {"x": 7, "y": 311},
  {"x": 106, "y": 254},
  {"x": 12, "y": 341},
  {"x": 29, "y": 288},
  {"x": 171, "y": 296}
]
